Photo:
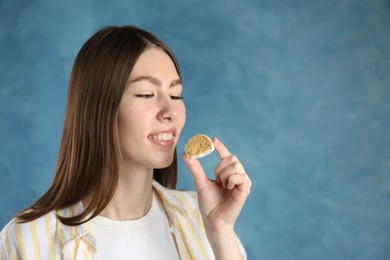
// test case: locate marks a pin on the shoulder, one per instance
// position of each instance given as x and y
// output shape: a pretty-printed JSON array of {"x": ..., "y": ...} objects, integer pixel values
[
  {"x": 185, "y": 196},
  {"x": 180, "y": 205},
  {"x": 14, "y": 227},
  {"x": 16, "y": 239},
  {"x": 184, "y": 205},
  {"x": 7, "y": 232},
  {"x": 193, "y": 219}
]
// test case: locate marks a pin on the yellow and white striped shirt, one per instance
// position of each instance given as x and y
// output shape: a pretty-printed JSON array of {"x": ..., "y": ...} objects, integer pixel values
[{"x": 47, "y": 238}]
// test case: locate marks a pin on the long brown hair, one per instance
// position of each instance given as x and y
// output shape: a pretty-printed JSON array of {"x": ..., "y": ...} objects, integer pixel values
[{"x": 89, "y": 155}]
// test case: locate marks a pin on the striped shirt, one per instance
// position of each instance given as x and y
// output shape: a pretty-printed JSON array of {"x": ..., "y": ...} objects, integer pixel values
[{"x": 47, "y": 238}]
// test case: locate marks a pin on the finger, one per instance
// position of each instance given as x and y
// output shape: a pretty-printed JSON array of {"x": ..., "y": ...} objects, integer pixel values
[
  {"x": 221, "y": 149},
  {"x": 229, "y": 170},
  {"x": 197, "y": 172},
  {"x": 231, "y": 159},
  {"x": 245, "y": 188},
  {"x": 235, "y": 180}
]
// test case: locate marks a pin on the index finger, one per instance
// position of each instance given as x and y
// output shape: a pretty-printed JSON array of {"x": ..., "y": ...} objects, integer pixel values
[{"x": 221, "y": 149}]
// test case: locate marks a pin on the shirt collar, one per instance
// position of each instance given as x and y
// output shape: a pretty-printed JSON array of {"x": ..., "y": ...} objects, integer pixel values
[
  {"x": 67, "y": 234},
  {"x": 168, "y": 198}
]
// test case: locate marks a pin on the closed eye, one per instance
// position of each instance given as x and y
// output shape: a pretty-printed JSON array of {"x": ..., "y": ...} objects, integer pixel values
[
  {"x": 176, "y": 97},
  {"x": 144, "y": 95}
]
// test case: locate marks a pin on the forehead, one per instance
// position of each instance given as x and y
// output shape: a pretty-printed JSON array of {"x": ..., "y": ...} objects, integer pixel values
[{"x": 154, "y": 62}]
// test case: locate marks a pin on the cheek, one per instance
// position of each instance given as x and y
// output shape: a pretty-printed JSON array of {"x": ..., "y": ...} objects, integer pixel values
[
  {"x": 136, "y": 123},
  {"x": 182, "y": 114},
  {"x": 123, "y": 128},
  {"x": 129, "y": 119}
]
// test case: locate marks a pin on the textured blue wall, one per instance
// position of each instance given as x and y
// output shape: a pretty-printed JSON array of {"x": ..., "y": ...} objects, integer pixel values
[{"x": 299, "y": 90}]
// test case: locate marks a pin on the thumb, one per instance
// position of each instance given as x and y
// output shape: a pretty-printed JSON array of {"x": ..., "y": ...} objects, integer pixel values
[{"x": 197, "y": 172}]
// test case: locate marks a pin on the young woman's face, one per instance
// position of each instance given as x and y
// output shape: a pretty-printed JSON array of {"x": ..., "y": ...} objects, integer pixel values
[{"x": 151, "y": 113}]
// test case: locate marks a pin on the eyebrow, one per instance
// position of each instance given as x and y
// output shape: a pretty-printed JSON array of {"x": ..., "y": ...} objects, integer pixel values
[{"x": 155, "y": 81}]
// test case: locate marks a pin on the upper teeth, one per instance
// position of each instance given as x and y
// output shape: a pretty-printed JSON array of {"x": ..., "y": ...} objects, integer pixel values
[{"x": 163, "y": 137}]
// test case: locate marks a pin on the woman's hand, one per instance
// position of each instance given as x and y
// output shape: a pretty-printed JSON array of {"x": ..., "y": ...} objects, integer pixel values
[{"x": 220, "y": 200}]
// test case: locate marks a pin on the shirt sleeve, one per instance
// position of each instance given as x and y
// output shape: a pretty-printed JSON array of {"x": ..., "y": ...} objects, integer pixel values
[
  {"x": 242, "y": 248},
  {"x": 7, "y": 242}
]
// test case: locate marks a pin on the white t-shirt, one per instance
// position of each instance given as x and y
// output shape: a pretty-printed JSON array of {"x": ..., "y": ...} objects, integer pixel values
[{"x": 146, "y": 238}]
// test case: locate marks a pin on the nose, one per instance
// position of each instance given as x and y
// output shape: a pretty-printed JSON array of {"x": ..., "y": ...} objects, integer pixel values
[{"x": 168, "y": 111}]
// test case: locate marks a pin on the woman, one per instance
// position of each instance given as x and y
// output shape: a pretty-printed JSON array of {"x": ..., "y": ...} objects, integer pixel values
[{"x": 113, "y": 196}]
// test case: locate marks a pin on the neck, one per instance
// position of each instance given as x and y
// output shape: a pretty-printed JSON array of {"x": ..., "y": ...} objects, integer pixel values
[{"x": 133, "y": 196}]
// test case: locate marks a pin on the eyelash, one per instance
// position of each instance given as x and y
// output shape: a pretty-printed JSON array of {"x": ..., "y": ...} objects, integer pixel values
[
  {"x": 144, "y": 95},
  {"x": 176, "y": 98},
  {"x": 147, "y": 96}
]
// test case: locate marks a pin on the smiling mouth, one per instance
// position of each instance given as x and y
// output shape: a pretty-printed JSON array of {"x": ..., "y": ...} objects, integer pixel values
[{"x": 162, "y": 136}]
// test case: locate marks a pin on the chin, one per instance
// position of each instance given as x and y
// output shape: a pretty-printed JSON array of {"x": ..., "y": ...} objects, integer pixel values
[
  {"x": 164, "y": 165},
  {"x": 163, "y": 162}
]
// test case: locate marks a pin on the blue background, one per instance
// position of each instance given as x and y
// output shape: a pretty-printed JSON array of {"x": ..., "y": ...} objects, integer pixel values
[{"x": 299, "y": 90}]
